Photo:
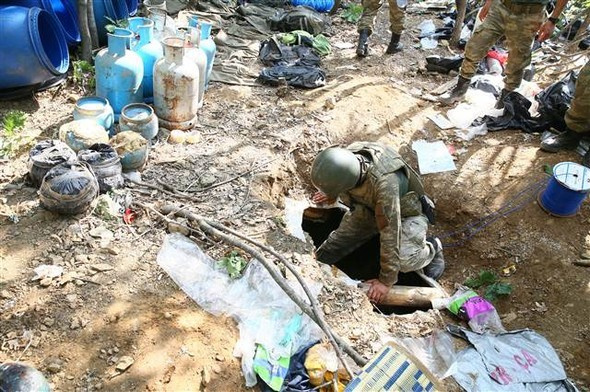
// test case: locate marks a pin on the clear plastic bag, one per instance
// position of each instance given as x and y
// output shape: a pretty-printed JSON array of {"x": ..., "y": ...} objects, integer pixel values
[{"x": 264, "y": 313}]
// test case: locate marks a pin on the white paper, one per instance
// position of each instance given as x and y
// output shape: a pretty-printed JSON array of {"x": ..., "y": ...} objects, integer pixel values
[{"x": 433, "y": 157}]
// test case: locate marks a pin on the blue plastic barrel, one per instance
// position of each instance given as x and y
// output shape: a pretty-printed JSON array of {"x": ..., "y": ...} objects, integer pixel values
[
  {"x": 61, "y": 9},
  {"x": 114, "y": 9},
  {"x": 33, "y": 48},
  {"x": 318, "y": 5},
  {"x": 131, "y": 6},
  {"x": 566, "y": 190}
]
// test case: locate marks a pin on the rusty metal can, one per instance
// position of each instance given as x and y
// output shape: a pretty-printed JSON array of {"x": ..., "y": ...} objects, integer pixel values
[{"x": 140, "y": 118}]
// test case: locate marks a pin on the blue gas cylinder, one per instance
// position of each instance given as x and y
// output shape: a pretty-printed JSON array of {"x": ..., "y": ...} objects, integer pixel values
[
  {"x": 113, "y": 9},
  {"x": 149, "y": 50},
  {"x": 33, "y": 48},
  {"x": 207, "y": 44},
  {"x": 119, "y": 72}
]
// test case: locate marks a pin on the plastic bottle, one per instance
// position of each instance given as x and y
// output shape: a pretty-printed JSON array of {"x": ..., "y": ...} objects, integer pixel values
[
  {"x": 176, "y": 87},
  {"x": 119, "y": 72}
]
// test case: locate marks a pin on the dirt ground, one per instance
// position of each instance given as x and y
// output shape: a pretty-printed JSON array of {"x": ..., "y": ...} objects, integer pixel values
[{"x": 115, "y": 302}]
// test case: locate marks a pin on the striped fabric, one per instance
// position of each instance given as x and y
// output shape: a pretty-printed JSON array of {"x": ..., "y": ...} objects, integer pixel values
[{"x": 393, "y": 369}]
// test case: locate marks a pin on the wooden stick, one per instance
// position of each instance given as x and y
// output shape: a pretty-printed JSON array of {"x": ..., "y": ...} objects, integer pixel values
[
  {"x": 419, "y": 297},
  {"x": 206, "y": 226}
]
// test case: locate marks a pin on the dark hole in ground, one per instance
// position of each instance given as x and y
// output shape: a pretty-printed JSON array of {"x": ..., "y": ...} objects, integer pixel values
[{"x": 319, "y": 223}]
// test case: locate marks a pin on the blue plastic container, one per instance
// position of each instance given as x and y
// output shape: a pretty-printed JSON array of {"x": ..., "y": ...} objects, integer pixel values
[
  {"x": 33, "y": 48},
  {"x": 61, "y": 9},
  {"x": 149, "y": 50},
  {"x": 318, "y": 5},
  {"x": 566, "y": 190},
  {"x": 114, "y": 9},
  {"x": 207, "y": 44},
  {"x": 119, "y": 72},
  {"x": 97, "y": 109}
]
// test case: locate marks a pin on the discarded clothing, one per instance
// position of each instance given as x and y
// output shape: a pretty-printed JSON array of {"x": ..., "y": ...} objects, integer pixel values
[
  {"x": 300, "y": 18},
  {"x": 443, "y": 65},
  {"x": 516, "y": 116},
  {"x": 297, "y": 379},
  {"x": 296, "y": 76},
  {"x": 274, "y": 53},
  {"x": 513, "y": 361}
]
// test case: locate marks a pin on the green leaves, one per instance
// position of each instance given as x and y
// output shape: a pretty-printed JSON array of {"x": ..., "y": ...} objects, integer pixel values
[
  {"x": 234, "y": 264},
  {"x": 353, "y": 13},
  {"x": 12, "y": 123},
  {"x": 494, "y": 289},
  {"x": 83, "y": 74}
]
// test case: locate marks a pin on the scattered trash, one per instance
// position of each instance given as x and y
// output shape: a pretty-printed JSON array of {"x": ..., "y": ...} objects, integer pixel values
[
  {"x": 428, "y": 43},
  {"x": 555, "y": 100},
  {"x": 471, "y": 132},
  {"x": 433, "y": 157},
  {"x": 105, "y": 164},
  {"x": 393, "y": 368},
  {"x": 321, "y": 363},
  {"x": 443, "y": 65},
  {"x": 81, "y": 134},
  {"x": 427, "y": 28},
  {"x": 45, "y": 155},
  {"x": 199, "y": 276},
  {"x": 294, "y": 217},
  {"x": 478, "y": 104},
  {"x": 516, "y": 115},
  {"x": 132, "y": 148},
  {"x": 68, "y": 188},
  {"x": 124, "y": 363},
  {"x": 440, "y": 121},
  {"x": 296, "y": 76},
  {"x": 512, "y": 361},
  {"x": 19, "y": 377}
]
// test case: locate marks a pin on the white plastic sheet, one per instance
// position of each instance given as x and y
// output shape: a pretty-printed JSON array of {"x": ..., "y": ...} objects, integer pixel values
[
  {"x": 263, "y": 311},
  {"x": 433, "y": 157}
]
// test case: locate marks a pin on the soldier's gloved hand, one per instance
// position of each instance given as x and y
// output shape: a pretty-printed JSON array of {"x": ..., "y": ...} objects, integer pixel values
[
  {"x": 320, "y": 198},
  {"x": 377, "y": 291},
  {"x": 545, "y": 31}
]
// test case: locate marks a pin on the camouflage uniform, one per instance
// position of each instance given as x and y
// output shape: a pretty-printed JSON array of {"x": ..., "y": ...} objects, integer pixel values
[
  {"x": 577, "y": 118},
  {"x": 519, "y": 22},
  {"x": 386, "y": 203},
  {"x": 370, "y": 9}
]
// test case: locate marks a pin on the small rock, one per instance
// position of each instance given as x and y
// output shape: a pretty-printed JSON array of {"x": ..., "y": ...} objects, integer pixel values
[
  {"x": 216, "y": 368},
  {"x": 167, "y": 315},
  {"x": 48, "y": 321},
  {"x": 207, "y": 180},
  {"x": 177, "y": 137},
  {"x": 53, "y": 365},
  {"x": 219, "y": 358},
  {"x": 327, "y": 310},
  {"x": 330, "y": 103},
  {"x": 81, "y": 259},
  {"x": 73, "y": 98},
  {"x": 510, "y": 317},
  {"x": 585, "y": 254},
  {"x": 102, "y": 233},
  {"x": 174, "y": 227},
  {"x": 124, "y": 363},
  {"x": 5, "y": 294},
  {"x": 45, "y": 282},
  {"x": 101, "y": 267},
  {"x": 111, "y": 250},
  {"x": 205, "y": 376},
  {"x": 75, "y": 324},
  {"x": 98, "y": 386}
]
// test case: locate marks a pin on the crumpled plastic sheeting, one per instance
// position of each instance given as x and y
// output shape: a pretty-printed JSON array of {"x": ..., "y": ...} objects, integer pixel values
[
  {"x": 273, "y": 53},
  {"x": 516, "y": 116},
  {"x": 261, "y": 308},
  {"x": 555, "y": 100},
  {"x": 296, "y": 76},
  {"x": 513, "y": 361}
]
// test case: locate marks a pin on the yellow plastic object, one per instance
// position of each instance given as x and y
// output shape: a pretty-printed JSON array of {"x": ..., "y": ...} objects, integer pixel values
[{"x": 321, "y": 363}]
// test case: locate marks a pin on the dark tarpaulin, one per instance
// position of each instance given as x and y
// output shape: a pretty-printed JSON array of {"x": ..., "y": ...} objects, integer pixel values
[
  {"x": 516, "y": 116},
  {"x": 273, "y": 53},
  {"x": 295, "y": 75},
  {"x": 299, "y": 18},
  {"x": 555, "y": 100}
]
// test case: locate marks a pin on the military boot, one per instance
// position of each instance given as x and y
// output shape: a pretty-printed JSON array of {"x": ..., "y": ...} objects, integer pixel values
[
  {"x": 394, "y": 45},
  {"x": 362, "y": 50},
  {"x": 456, "y": 93},
  {"x": 436, "y": 267},
  {"x": 567, "y": 140},
  {"x": 500, "y": 101}
]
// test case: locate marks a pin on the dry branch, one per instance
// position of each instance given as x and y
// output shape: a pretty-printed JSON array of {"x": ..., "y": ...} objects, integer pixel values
[
  {"x": 419, "y": 297},
  {"x": 84, "y": 30}
]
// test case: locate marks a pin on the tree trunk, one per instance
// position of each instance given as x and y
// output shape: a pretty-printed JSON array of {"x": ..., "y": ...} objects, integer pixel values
[
  {"x": 92, "y": 25},
  {"x": 456, "y": 35},
  {"x": 419, "y": 297},
  {"x": 84, "y": 30}
]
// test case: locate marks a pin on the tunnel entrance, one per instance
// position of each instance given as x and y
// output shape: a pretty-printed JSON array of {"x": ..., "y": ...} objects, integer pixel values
[{"x": 362, "y": 263}]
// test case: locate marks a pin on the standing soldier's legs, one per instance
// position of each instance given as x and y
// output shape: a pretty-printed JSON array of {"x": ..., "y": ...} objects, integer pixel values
[
  {"x": 396, "y": 25},
  {"x": 577, "y": 119},
  {"x": 365, "y": 26},
  {"x": 477, "y": 47}
]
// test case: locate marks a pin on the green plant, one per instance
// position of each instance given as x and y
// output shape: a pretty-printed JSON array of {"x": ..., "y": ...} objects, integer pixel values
[
  {"x": 234, "y": 264},
  {"x": 353, "y": 13},
  {"x": 113, "y": 24},
  {"x": 83, "y": 74},
  {"x": 494, "y": 288},
  {"x": 12, "y": 123}
]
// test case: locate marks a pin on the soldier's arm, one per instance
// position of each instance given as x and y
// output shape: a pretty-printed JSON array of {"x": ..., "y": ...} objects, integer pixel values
[
  {"x": 546, "y": 29},
  {"x": 388, "y": 219}
]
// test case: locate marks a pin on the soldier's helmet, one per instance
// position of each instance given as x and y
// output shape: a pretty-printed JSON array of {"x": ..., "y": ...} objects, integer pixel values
[{"x": 335, "y": 170}]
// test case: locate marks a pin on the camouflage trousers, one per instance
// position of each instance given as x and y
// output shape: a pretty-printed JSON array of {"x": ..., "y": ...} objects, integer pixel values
[
  {"x": 370, "y": 9},
  {"x": 359, "y": 226},
  {"x": 519, "y": 24},
  {"x": 577, "y": 118}
]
